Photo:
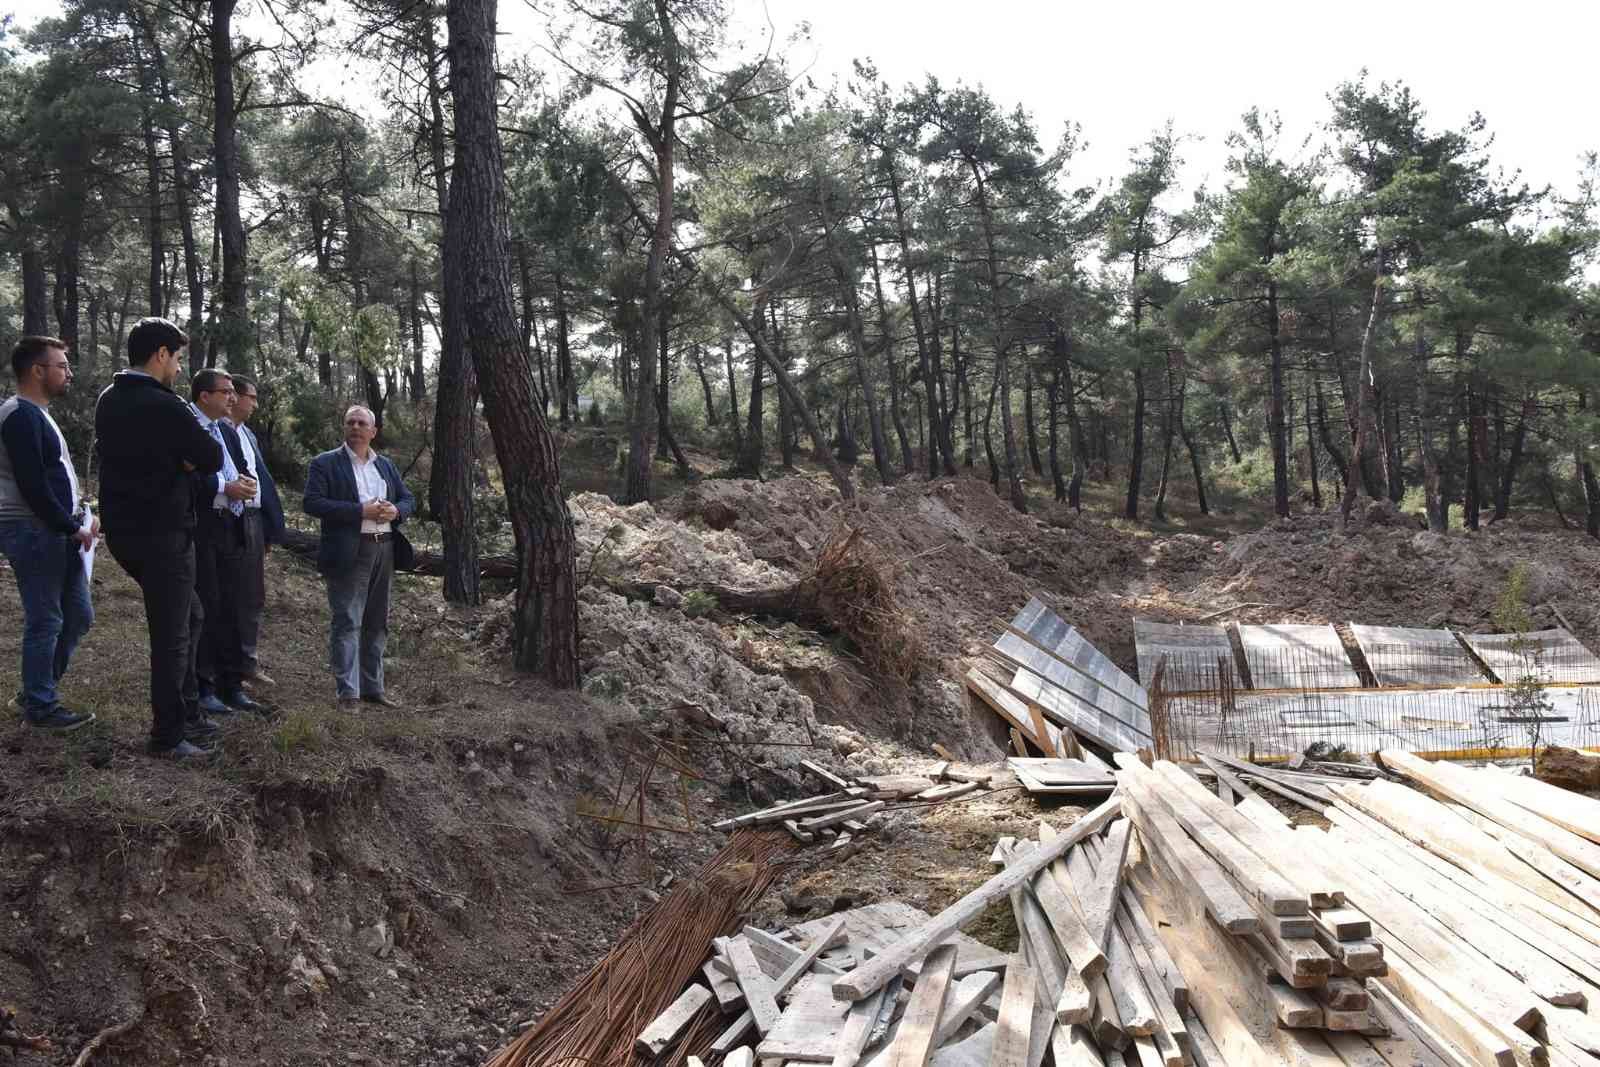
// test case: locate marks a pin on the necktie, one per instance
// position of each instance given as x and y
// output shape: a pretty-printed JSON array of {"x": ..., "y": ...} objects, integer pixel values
[{"x": 229, "y": 471}]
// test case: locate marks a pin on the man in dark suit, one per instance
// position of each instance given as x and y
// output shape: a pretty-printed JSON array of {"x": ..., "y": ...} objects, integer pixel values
[
  {"x": 263, "y": 528},
  {"x": 361, "y": 500},
  {"x": 219, "y": 542},
  {"x": 150, "y": 446}
]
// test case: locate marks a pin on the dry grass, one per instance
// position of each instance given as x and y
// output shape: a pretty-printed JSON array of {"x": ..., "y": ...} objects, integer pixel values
[{"x": 852, "y": 585}]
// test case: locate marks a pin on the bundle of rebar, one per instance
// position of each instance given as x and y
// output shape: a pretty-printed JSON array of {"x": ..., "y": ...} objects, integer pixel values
[{"x": 596, "y": 1023}]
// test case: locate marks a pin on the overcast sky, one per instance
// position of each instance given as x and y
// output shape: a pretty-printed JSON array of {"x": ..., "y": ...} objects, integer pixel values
[{"x": 1121, "y": 70}]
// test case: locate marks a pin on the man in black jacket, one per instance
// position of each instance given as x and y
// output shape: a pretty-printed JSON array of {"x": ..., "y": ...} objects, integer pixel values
[
  {"x": 219, "y": 550},
  {"x": 150, "y": 446}
]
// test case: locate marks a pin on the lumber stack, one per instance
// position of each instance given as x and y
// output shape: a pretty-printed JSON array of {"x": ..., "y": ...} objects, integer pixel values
[{"x": 1281, "y": 963}]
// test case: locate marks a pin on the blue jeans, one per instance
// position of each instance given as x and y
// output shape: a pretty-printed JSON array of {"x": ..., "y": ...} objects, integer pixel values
[
  {"x": 359, "y": 601},
  {"x": 56, "y": 610}
]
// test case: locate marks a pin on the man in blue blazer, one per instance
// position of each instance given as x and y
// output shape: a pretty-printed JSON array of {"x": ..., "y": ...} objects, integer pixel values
[
  {"x": 361, "y": 500},
  {"x": 263, "y": 528}
]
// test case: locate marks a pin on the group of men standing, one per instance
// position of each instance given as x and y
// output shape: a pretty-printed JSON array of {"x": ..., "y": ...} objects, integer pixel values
[{"x": 189, "y": 510}]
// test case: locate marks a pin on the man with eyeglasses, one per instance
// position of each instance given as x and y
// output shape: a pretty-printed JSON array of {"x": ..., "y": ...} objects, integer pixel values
[
  {"x": 361, "y": 500},
  {"x": 43, "y": 529},
  {"x": 220, "y": 550},
  {"x": 150, "y": 447}
]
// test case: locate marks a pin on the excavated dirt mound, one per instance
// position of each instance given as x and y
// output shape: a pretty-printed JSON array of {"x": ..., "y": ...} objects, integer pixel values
[{"x": 1303, "y": 570}]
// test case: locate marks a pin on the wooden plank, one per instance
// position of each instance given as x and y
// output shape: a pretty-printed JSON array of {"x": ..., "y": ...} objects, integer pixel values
[
  {"x": 1254, "y": 875},
  {"x": 838, "y": 817},
  {"x": 1543, "y": 975},
  {"x": 963, "y": 1001},
  {"x": 1295, "y": 1009},
  {"x": 1015, "y": 1024},
  {"x": 1170, "y": 1028},
  {"x": 834, "y": 935},
  {"x": 948, "y": 791},
  {"x": 736, "y": 1032},
  {"x": 759, "y": 993},
  {"x": 1409, "y": 1043},
  {"x": 1085, "y": 954},
  {"x": 743, "y": 1056},
  {"x": 1271, "y": 784},
  {"x": 1172, "y": 979},
  {"x": 857, "y": 1030},
  {"x": 1013, "y": 710},
  {"x": 877, "y": 971},
  {"x": 1063, "y": 771},
  {"x": 1159, "y": 830},
  {"x": 809, "y": 1028},
  {"x": 1099, "y": 900},
  {"x": 723, "y": 987},
  {"x": 1070, "y": 699},
  {"x": 825, "y": 774},
  {"x": 1568, "y": 810},
  {"x": 1250, "y": 803},
  {"x": 975, "y": 1051},
  {"x": 1272, "y": 848},
  {"x": 1058, "y": 986},
  {"x": 1454, "y": 1022},
  {"x": 1073, "y": 1047},
  {"x": 914, "y": 1042},
  {"x": 670, "y": 1024},
  {"x": 1458, "y": 785}
]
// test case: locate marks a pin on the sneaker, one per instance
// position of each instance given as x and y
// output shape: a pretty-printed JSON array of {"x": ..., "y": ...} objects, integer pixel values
[
  {"x": 211, "y": 704},
  {"x": 237, "y": 701},
  {"x": 59, "y": 720},
  {"x": 183, "y": 752}
]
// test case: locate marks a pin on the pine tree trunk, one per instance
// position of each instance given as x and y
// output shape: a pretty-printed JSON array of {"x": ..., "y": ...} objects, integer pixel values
[
  {"x": 988, "y": 437},
  {"x": 1168, "y": 432},
  {"x": 1311, "y": 450},
  {"x": 1475, "y": 448},
  {"x": 751, "y": 454},
  {"x": 1052, "y": 393},
  {"x": 1275, "y": 424},
  {"x": 1432, "y": 475},
  {"x": 669, "y": 442},
  {"x": 1136, "y": 449},
  {"x": 1591, "y": 498},
  {"x": 1365, "y": 403},
  {"x": 1341, "y": 468},
  {"x": 234, "y": 320},
  {"x": 1062, "y": 345},
  {"x": 1227, "y": 431},
  {"x": 477, "y": 271},
  {"x": 941, "y": 451},
  {"x": 1502, "y": 498},
  {"x": 733, "y": 404},
  {"x": 896, "y": 415},
  {"x": 1029, "y": 425},
  {"x": 705, "y": 385},
  {"x": 155, "y": 232},
  {"x": 569, "y": 388},
  {"x": 1196, "y": 463}
]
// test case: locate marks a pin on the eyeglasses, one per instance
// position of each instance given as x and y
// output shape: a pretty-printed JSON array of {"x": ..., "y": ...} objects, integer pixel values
[{"x": 58, "y": 366}]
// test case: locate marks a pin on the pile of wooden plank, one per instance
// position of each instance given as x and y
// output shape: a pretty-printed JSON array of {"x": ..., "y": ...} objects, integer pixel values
[
  {"x": 856, "y": 804},
  {"x": 1280, "y": 964},
  {"x": 1086, "y": 777},
  {"x": 774, "y": 993}
]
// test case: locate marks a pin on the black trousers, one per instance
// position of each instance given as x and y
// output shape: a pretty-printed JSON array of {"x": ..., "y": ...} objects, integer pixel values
[
  {"x": 251, "y": 597},
  {"x": 164, "y": 566},
  {"x": 219, "y": 547}
]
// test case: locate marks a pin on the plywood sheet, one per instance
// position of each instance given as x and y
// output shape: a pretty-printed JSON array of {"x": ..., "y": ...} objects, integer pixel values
[
  {"x": 1082, "y": 717},
  {"x": 1290, "y": 656},
  {"x": 1050, "y": 632},
  {"x": 1405, "y": 655},
  {"x": 1193, "y": 653},
  {"x": 1555, "y": 656}
]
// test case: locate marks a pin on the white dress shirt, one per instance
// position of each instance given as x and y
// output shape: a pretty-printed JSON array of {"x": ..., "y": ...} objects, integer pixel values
[
  {"x": 248, "y": 441},
  {"x": 370, "y": 486},
  {"x": 220, "y": 500}
]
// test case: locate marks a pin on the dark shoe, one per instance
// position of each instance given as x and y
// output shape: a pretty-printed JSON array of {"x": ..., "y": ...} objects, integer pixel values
[
  {"x": 259, "y": 677},
  {"x": 211, "y": 704},
  {"x": 383, "y": 699},
  {"x": 183, "y": 752},
  {"x": 200, "y": 730},
  {"x": 59, "y": 720},
  {"x": 237, "y": 701},
  {"x": 349, "y": 704}
]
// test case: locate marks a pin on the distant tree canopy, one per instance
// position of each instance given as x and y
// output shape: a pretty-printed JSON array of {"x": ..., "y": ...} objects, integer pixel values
[{"x": 902, "y": 276}]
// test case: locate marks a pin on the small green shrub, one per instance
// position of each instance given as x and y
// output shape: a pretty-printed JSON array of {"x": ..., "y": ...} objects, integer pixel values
[{"x": 698, "y": 602}]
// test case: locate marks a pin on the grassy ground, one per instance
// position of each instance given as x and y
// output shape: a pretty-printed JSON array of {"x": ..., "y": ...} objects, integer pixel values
[{"x": 454, "y": 692}]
